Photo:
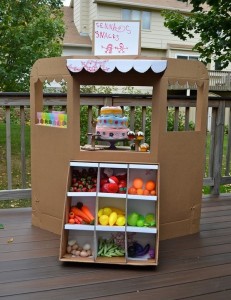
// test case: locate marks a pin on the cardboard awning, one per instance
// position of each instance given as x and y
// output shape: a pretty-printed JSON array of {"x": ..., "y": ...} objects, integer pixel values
[{"x": 122, "y": 65}]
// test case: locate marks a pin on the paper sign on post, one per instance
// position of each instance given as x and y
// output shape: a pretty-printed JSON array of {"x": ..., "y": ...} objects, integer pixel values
[{"x": 116, "y": 38}]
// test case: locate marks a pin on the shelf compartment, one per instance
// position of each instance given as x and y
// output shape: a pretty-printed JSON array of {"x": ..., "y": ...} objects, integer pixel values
[
  {"x": 143, "y": 239},
  {"x": 82, "y": 238},
  {"x": 107, "y": 244},
  {"x": 83, "y": 179},
  {"x": 139, "y": 175},
  {"x": 113, "y": 179},
  {"x": 72, "y": 202}
]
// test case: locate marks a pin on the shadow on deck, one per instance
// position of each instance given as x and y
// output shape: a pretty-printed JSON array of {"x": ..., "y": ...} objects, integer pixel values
[{"x": 193, "y": 267}]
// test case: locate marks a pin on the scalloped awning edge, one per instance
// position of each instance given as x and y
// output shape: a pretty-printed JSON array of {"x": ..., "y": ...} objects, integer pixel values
[{"x": 122, "y": 65}]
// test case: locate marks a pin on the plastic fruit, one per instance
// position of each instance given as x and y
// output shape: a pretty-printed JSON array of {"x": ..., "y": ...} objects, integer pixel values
[
  {"x": 104, "y": 220},
  {"x": 146, "y": 192},
  {"x": 100, "y": 212},
  {"x": 112, "y": 218},
  {"x": 122, "y": 187},
  {"x": 138, "y": 183},
  {"x": 132, "y": 191},
  {"x": 140, "y": 223},
  {"x": 140, "y": 191},
  {"x": 113, "y": 179},
  {"x": 120, "y": 221},
  {"x": 107, "y": 211},
  {"x": 150, "y": 220},
  {"x": 110, "y": 187},
  {"x": 150, "y": 185},
  {"x": 132, "y": 219}
]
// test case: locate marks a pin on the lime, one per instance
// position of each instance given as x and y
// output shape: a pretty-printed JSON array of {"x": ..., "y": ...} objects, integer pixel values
[{"x": 140, "y": 223}]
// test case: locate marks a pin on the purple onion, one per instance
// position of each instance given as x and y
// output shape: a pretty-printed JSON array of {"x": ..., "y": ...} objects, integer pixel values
[{"x": 151, "y": 253}]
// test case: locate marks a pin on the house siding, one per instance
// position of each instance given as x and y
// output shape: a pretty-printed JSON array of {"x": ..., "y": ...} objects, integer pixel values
[
  {"x": 81, "y": 16},
  {"x": 157, "y": 41}
]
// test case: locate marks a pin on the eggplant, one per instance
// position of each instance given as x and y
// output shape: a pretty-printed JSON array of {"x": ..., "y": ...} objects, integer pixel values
[
  {"x": 138, "y": 247},
  {"x": 145, "y": 251},
  {"x": 131, "y": 251}
]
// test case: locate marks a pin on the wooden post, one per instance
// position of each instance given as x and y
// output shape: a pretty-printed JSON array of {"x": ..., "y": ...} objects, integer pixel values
[{"x": 218, "y": 148}]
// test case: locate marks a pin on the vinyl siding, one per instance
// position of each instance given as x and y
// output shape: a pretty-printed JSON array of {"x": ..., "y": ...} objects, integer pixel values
[{"x": 81, "y": 16}]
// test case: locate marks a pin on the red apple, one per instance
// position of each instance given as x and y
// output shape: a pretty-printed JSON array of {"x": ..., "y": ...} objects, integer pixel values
[{"x": 113, "y": 179}]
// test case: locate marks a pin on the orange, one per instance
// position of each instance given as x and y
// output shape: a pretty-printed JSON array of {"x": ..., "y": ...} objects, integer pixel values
[
  {"x": 140, "y": 191},
  {"x": 150, "y": 185},
  {"x": 71, "y": 221},
  {"x": 146, "y": 192},
  {"x": 153, "y": 192},
  {"x": 138, "y": 183},
  {"x": 132, "y": 191}
]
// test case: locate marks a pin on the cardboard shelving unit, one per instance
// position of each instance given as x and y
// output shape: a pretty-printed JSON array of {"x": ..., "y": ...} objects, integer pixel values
[{"x": 91, "y": 234}]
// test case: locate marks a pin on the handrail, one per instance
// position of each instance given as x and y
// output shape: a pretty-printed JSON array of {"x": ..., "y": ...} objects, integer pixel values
[{"x": 215, "y": 174}]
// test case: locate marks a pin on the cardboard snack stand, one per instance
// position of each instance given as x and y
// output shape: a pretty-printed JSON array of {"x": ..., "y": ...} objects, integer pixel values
[{"x": 180, "y": 155}]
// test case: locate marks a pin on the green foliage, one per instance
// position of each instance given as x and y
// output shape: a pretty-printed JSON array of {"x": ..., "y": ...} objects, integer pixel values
[
  {"x": 181, "y": 121},
  {"x": 29, "y": 30},
  {"x": 213, "y": 27}
]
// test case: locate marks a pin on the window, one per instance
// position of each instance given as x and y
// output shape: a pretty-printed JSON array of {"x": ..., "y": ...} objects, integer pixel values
[
  {"x": 144, "y": 16},
  {"x": 188, "y": 57}
]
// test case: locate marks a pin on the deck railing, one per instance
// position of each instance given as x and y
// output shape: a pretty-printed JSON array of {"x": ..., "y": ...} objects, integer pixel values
[
  {"x": 219, "y": 81},
  {"x": 217, "y": 169}
]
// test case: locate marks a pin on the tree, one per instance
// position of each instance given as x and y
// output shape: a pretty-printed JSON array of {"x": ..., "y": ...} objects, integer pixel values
[
  {"x": 29, "y": 30},
  {"x": 213, "y": 26}
]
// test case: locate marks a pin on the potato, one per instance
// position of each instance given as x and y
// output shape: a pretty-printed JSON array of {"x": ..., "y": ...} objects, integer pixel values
[{"x": 83, "y": 253}]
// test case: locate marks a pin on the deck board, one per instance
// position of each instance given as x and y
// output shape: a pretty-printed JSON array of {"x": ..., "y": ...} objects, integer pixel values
[{"x": 196, "y": 267}]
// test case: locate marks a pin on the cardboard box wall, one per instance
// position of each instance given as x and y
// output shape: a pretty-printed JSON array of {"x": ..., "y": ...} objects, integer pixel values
[{"x": 180, "y": 154}]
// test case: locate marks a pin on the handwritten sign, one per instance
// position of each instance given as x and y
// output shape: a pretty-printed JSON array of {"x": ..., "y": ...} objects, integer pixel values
[{"x": 116, "y": 38}]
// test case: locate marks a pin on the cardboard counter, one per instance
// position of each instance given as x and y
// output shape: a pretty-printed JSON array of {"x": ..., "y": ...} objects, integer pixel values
[{"x": 180, "y": 154}]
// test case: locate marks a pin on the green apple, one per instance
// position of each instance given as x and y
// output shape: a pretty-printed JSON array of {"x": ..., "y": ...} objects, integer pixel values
[{"x": 132, "y": 219}]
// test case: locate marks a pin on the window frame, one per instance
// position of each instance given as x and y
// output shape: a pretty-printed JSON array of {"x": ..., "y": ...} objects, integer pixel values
[{"x": 130, "y": 17}]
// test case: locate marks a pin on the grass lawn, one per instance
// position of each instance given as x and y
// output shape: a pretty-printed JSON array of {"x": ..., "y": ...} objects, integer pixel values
[
  {"x": 16, "y": 163},
  {"x": 223, "y": 188}
]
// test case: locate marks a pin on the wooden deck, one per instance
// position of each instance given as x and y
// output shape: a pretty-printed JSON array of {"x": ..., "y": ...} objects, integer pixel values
[{"x": 195, "y": 267}]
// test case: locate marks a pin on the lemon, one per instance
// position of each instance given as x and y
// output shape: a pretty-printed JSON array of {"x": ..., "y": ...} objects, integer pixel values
[
  {"x": 112, "y": 218},
  {"x": 121, "y": 221},
  {"x": 100, "y": 212},
  {"x": 104, "y": 220},
  {"x": 107, "y": 211}
]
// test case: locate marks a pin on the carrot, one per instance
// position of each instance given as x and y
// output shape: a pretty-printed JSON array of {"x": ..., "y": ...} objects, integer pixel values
[
  {"x": 79, "y": 219},
  {"x": 78, "y": 212},
  {"x": 85, "y": 210}
]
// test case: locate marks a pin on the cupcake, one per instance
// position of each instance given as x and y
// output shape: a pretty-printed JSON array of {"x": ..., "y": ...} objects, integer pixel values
[
  {"x": 139, "y": 135},
  {"x": 144, "y": 147},
  {"x": 131, "y": 135}
]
